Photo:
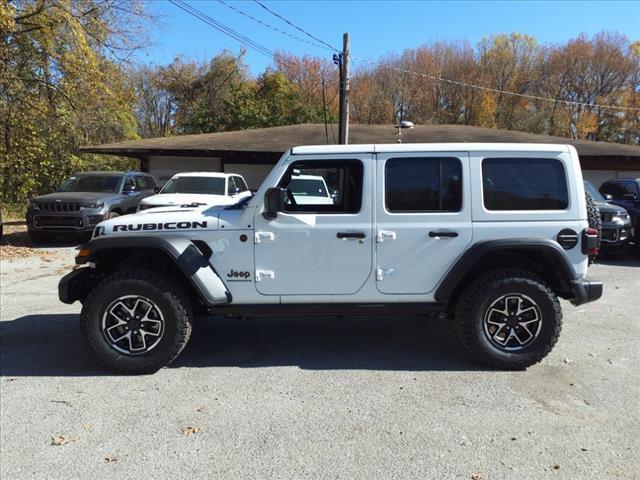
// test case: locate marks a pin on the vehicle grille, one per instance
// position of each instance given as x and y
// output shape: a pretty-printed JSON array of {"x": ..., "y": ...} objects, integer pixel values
[
  {"x": 59, "y": 207},
  {"x": 607, "y": 217},
  {"x": 58, "y": 221},
  {"x": 609, "y": 235}
]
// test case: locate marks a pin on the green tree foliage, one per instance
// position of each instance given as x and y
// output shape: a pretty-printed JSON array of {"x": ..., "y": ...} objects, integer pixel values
[{"x": 61, "y": 87}]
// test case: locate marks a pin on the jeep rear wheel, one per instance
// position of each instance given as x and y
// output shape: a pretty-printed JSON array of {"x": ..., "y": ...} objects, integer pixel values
[
  {"x": 509, "y": 319},
  {"x": 136, "y": 321}
]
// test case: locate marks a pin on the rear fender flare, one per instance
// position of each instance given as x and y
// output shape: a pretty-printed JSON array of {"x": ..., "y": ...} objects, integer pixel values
[{"x": 474, "y": 255}]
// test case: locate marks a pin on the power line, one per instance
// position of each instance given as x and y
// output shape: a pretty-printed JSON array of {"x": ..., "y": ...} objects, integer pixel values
[
  {"x": 504, "y": 92},
  {"x": 272, "y": 27},
  {"x": 238, "y": 36},
  {"x": 296, "y": 27}
]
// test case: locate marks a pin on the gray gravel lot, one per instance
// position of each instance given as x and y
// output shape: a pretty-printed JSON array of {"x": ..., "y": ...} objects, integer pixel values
[{"x": 318, "y": 398}]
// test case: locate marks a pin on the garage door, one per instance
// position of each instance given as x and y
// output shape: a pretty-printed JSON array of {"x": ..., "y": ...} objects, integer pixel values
[{"x": 253, "y": 174}]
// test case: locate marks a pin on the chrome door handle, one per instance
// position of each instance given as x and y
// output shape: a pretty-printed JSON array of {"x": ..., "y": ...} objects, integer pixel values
[{"x": 442, "y": 233}]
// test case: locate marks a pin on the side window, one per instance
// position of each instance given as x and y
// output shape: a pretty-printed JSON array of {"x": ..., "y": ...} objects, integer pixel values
[
  {"x": 231, "y": 186},
  {"x": 149, "y": 182},
  {"x": 128, "y": 185},
  {"x": 630, "y": 188},
  {"x": 141, "y": 183},
  {"x": 423, "y": 184},
  {"x": 324, "y": 186},
  {"x": 524, "y": 184},
  {"x": 241, "y": 184},
  {"x": 616, "y": 190}
]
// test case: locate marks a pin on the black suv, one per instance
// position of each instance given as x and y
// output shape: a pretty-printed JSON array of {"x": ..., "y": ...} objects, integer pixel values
[
  {"x": 85, "y": 200},
  {"x": 616, "y": 224},
  {"x": 626, "y": 193}
]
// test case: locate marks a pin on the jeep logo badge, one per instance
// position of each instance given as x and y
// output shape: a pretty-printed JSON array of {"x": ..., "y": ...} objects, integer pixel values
[{"x": 233, "y": 274}]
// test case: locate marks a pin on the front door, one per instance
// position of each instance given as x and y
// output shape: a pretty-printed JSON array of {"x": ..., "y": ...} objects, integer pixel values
[
  {"x": 423, "y": 218},
  {"x": 323, "y": 242}
]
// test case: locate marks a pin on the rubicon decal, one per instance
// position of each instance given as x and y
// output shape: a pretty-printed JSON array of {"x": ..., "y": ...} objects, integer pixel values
[{"x": 159, "y": 226}]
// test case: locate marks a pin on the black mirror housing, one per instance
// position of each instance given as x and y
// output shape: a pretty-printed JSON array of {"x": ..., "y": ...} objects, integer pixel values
[
  {"x": 274, "y": 202},
  {"x": 156, "y": 190}
]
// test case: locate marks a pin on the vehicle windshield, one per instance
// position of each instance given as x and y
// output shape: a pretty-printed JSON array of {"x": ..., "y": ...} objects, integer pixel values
[
  {"x": 597, "y": 196},
  {"x": 308, "y": 187},
  {"x": 202, "y": 185},
  {"x": 88, "y": 183}
]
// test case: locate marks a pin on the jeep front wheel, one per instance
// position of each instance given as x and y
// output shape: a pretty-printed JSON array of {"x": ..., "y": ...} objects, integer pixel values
[
  {"x": 136, "y": 321},
  {"x": 509, "y": 319}
]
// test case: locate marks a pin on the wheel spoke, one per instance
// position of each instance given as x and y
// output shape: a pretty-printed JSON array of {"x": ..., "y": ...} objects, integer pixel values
[
  {"x": 512, "y": 322},
  {"x": 119, "y": 317}
]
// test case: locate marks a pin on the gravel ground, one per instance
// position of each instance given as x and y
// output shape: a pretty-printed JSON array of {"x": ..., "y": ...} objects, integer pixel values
[{"x": 316, "y": 398}]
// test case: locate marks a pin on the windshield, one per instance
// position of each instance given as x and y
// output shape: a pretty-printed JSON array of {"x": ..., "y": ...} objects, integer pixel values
[
  {"x": 204, "y": 185},
  {"x": 87, "y": 183},
  {"x": 597, "y": 196},
  {"x": 308, "y": 187}
]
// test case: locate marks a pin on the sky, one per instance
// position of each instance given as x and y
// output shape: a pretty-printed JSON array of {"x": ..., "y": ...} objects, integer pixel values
[{"x": 376, "y": 27}]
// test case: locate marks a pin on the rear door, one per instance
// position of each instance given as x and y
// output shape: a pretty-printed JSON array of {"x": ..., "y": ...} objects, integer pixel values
[{"x": 423, "y": 218}]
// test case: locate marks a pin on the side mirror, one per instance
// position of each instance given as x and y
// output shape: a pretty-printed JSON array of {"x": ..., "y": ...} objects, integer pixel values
[
  {"x": 608, "y": 197},
  {"x": 274, "y": 201},
  {"x": 235, "y": 191},
  {"x": 632, "y": 197},
  {"x": 156, "y": 190},
  {"x": 128, "y": 189}
]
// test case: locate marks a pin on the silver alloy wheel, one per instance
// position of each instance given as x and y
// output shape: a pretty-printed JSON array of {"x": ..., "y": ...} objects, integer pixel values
[
  {"x": 132, "y": 324},
  {"x": 512, "y": 322}
]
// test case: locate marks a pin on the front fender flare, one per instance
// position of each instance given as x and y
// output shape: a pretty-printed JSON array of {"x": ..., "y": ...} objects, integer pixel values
[{"x": 185, "y": 254}]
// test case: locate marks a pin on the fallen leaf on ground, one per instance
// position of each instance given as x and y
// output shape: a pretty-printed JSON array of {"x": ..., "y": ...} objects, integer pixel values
[
  {"x": 477, "y": 476},
  {"x": 556, "y": 467},
  {"x": 110, "y": 458},
  {"x": 187, "y": 431},
  {"x": 87, "y": 426},
  {"x": 61, "y": 440}
]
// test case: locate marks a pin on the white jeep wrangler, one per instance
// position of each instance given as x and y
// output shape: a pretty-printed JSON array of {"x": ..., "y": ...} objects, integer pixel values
[{"x": 488, "y": 234}]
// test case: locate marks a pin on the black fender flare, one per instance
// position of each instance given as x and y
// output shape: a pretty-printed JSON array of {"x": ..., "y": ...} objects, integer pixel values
[
  {"x": 191, "y": 260},
  {"x": 548, "y": 248}
]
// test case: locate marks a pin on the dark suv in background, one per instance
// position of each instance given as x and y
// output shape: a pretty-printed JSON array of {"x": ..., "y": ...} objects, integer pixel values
[
  {"x": 625, "y": 192},
  {"x": 616, "y": 224},
  {"x": 84, "y": 200}
]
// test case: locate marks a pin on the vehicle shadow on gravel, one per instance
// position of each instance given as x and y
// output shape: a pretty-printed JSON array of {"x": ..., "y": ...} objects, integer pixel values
[{"x": 50, "y": 345}]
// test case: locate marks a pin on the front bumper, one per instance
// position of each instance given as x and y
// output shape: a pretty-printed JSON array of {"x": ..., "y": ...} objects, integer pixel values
[
  {"x": 585, "y": 291},
  {"x": 74, "y": 285}
]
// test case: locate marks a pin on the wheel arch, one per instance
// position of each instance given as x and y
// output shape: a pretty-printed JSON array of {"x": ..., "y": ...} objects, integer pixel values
[
  {"x": 543, "y": 257},
  {"x": 185, "y": 261}
]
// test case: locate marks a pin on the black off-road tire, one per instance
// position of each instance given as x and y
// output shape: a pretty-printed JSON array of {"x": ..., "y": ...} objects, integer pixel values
[
  {"x": 475, "y": 301},
  {"x": 38, "y": 238},
  {"x": 593, "y": 218},
  {"x": 157, "y": 287}
]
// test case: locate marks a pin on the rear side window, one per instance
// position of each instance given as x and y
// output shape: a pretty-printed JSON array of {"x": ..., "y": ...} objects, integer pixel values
[
  {"x": 618, "y": 189},
  {"x": 524, "y": 184},
  {"x": 423, "y": 184}
]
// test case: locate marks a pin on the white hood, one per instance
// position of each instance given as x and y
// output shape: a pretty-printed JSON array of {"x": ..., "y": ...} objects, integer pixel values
[{"x": 164, "y": 199}]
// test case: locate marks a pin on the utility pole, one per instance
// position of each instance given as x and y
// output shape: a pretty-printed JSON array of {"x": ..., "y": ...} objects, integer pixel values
[{"x": 343, "y": 127}]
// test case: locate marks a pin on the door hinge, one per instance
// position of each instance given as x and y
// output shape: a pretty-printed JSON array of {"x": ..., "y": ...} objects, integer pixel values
[
  {"x": 382, "y": 234},
  {"x": 261, "y": 274},
  {"x": 260, "y": 236},
  {"x": 382, "y": 272}
]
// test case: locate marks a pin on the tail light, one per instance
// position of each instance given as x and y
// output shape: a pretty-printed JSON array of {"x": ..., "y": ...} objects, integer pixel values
[{"x": 590, "y": 241}]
